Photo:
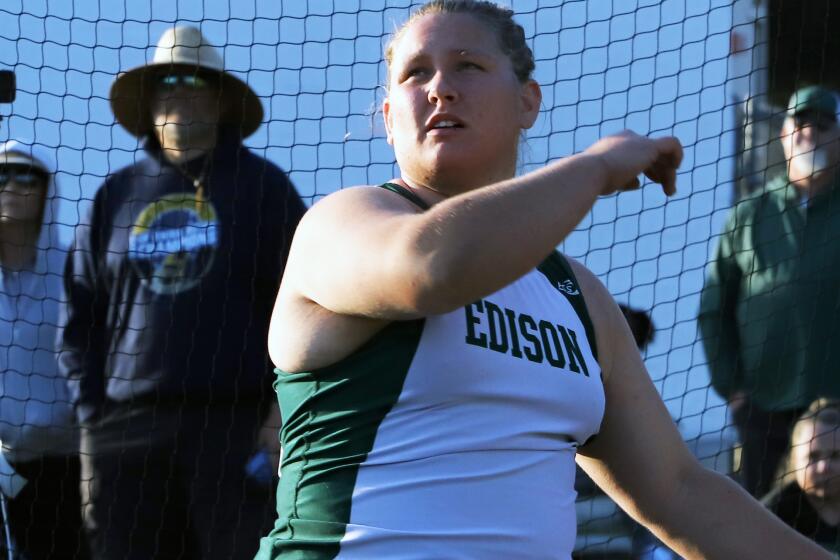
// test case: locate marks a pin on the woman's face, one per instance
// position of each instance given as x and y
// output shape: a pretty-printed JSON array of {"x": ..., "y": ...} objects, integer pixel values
[
  {"x": 455, "y": 108},
  {"x": 816, "y": 460}
]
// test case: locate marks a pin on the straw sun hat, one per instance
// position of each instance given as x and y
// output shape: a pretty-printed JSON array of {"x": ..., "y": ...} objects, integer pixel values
[{"x": 182, "y": 49}]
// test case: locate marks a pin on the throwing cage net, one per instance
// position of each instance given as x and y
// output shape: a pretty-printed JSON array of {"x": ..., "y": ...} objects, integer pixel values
[{"x": 715, "y": 73}]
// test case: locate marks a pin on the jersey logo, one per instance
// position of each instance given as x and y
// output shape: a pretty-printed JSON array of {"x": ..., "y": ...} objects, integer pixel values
[
  {"x": 522, "y": 336},
  {"x": 568, "y": 287}
]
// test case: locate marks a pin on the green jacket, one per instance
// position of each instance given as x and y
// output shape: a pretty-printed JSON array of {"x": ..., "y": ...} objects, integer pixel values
[{"x": 770, "y": 309}]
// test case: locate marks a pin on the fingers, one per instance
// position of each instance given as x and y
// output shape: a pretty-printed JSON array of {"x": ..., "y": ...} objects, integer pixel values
[
  {"x": 669, "y": 182},
  {"x": 631, "y": 185},
  {"x": 670, "y": 149},
  {"x": 623, "y": 151},
  {"x": 664, "y": 174},
  {"x": 664, "y": 168}
]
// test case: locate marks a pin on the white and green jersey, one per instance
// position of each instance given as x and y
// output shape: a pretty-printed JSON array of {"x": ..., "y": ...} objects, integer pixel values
[{"x": 451, "y": 436}]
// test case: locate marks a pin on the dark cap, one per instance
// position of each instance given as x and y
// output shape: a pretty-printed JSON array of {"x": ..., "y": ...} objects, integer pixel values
[{"x": 813, "y": 99}]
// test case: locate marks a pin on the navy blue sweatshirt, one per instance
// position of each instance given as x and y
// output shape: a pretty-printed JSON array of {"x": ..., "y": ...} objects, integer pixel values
[{"x": 169, "y": 288}]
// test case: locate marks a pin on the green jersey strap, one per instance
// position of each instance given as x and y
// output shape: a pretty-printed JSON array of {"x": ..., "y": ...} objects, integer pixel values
[
  {"x": 405, "y": 193},
  {"x": 559, "y": 272}
]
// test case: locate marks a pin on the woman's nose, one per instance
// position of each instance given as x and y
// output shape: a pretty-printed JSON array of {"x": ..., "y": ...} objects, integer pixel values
[{"x": 441, "y": 89}]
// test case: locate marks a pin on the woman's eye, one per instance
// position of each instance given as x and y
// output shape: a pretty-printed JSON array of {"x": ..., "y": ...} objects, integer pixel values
[
  {"x": 414, "y": 72},
  {"x": 466, "y": 65}
]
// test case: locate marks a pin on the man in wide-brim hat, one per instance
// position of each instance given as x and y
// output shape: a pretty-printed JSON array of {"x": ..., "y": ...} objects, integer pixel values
[
  {"x": 183, "y": 51},
  {"x": 170, "y": 285}
]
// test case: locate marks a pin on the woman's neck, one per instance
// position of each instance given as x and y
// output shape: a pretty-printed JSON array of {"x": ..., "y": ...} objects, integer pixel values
[
  {"x": 429, "y": 195},
  {"x": 434, "y": 189}
]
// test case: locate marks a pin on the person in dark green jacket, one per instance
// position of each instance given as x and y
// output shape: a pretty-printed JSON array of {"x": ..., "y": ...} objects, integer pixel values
[{"x": 770, "y": 309}]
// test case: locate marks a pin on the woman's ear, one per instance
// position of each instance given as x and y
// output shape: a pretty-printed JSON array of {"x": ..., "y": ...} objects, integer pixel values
[
  {"x": 531, "y": 101},
  {"x": 386, "y": 113}
]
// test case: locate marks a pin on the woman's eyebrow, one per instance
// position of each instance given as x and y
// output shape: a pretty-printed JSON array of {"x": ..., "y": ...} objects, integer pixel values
[{"x": 457, "y": 51}]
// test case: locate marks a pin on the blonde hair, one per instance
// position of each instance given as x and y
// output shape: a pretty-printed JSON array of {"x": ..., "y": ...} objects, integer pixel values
[
  {"x": 822, "y": 411},
  {"x": 510, "y": 35}
]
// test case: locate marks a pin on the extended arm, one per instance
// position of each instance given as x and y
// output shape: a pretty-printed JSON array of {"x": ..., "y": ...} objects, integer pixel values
[
  {"x": 639, "y": 459},
  {"x": 369, "y": 253}
]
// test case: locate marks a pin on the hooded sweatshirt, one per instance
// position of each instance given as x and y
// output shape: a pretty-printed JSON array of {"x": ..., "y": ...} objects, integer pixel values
[
  {"x": 169, "y": 288},
  {"x": 36, "y": 417}
]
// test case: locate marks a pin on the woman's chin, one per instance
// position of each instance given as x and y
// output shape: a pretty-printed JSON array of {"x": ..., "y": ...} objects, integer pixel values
[
  {"x": 474, "y": 169},
  {"x": 450, "y": 179}
]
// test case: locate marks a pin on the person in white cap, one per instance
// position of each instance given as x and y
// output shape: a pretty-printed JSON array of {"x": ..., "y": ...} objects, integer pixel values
[
  {"x": 39, "y": 461},
  {"x": 170, "y": 284}
]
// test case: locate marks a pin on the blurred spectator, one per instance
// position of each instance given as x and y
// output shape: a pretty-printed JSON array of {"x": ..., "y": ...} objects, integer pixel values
[
  {"x": 170, "y": 285},
  {"x": 768, "y": 312},
  {"x": 39, "y": 475},
  {"x": 808, "y": 499},
  {"x": 640, "y": 325}
]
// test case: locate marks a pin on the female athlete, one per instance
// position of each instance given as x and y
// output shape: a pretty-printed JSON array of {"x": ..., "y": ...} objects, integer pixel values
[{"x": 441, "y": 365}]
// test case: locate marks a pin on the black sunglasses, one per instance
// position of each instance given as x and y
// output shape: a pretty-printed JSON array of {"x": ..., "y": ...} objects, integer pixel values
[
  {"x": 25, "y": 177},
  {"x": 170, "y": 82}
]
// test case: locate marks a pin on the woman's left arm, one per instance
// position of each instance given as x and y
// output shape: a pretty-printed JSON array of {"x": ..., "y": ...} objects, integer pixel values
[{"x": 640, "y": 460}]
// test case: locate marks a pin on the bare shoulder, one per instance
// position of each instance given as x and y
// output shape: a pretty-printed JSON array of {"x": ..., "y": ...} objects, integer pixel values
[
  {"x": 342, "y": 220},
  {"x": 361, "y": 198},
  {"x": 350, "y": 195},
  {"x": 338, "y": 257}
]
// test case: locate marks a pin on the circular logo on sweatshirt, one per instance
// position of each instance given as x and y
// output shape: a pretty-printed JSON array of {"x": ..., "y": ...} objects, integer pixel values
[{"x": 173, "y": 243}]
